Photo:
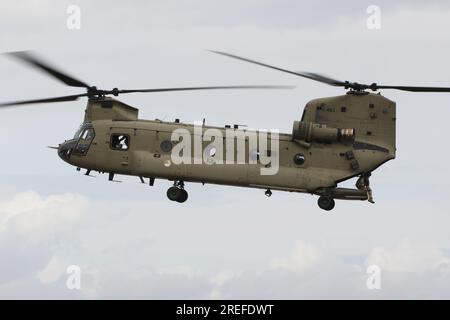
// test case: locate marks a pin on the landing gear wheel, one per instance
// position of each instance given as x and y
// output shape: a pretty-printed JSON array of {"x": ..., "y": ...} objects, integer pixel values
[
  {"x": 173, "y": 193},
  {"x": 183, "y": 196},
  {"x": 177, "y": 194},
  {"x": 326, "y": 203}
]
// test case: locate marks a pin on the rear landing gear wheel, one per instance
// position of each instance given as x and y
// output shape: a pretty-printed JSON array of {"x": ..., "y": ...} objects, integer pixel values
[
  {"x": 173, "y": 193},
  {"x": 326, "y": 203},
  {"x": 177, "y": 194},
  {"x": 183, "y": 196}
]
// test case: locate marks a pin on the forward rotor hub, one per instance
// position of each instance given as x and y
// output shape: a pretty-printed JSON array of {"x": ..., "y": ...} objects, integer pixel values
[
  {"x": 360, "y": 86},
  {"x": 93, "y": 92}
]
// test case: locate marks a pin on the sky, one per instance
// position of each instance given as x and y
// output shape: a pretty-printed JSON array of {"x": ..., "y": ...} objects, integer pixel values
[{"x": 129, "y": 241}]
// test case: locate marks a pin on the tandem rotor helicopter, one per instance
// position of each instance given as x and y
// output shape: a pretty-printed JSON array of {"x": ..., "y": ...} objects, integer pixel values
[{"x": 336, "y": 139}]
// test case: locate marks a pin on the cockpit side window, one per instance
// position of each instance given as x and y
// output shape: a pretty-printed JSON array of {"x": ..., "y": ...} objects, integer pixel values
[
  {"x": 120, "y": 141},
  {"x": 85, "y": 138},
  {"x": 88, "y": 134}
]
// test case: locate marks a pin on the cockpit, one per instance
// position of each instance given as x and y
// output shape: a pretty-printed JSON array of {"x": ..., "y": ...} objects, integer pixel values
[
  {"x": 80, "y": 143},
  {"x": 84, "y": 137}
]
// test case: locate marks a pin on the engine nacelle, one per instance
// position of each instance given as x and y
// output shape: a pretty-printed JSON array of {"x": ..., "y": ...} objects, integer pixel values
[{"x": 314, "y": 132}]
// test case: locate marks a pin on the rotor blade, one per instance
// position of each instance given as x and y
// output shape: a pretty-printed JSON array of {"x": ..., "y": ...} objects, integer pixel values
[
  {"x": 32, "y": 60},
  {"x": 204, "y": 88},
  {"x": 56, "y": 99},
  {"x": 415, "y": 89},
  {"x": 322, "y": 78},
  {"x": 308, "y": 75}
]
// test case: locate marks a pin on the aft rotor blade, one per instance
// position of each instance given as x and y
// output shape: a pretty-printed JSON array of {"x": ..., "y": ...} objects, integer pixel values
[
  {"x": 32, "y": 60},
  {"x": 346, "y": 84},
  {"x": 45, "y": 100},
  {"x": 415, "y": 89},
  {"x": 204, "y": 88},
  {"x": 308, "y": 75}
]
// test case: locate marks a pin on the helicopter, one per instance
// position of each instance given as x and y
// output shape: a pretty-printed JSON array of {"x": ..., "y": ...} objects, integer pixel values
[{"x": 336, "y": 139}]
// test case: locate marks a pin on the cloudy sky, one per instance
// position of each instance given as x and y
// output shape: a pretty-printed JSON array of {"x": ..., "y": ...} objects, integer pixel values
[{"x": 131, "y": 242}]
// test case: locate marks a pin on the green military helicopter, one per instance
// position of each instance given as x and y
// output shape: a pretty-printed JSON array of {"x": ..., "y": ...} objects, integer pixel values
[{"x": 336, "y": 139}]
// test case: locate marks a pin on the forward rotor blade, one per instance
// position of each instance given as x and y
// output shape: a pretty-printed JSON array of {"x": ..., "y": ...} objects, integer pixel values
[
  {"x": 322, "y": 78},
  {"x": 204, "y": 88},
  {"x": 32, "y": 60},
  {"x": 415, "y": 89},
  {"x": 308, "y": 75},
  {"x": 46, "y": 100}
]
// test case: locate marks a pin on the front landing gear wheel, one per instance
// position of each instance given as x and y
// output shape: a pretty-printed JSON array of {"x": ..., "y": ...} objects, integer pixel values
[
  {"x": 326, "y": 203},
  {"x": 177, "y": 194}
]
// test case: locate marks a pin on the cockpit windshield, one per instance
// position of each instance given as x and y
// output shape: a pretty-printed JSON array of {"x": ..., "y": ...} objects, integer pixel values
[
  {"x": 79, "y": 131},
  {"x": 84, "y": 135}
]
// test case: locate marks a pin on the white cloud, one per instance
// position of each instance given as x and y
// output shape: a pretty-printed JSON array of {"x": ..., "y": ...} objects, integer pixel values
[
  {"x": 408, "y": 257},
  {"x": 221, "y": 277},
  {"x": 31, "y": 215},
  {"x": 53, "y": 271},
  {"x": 302, "y": 257},
  {"x": 32, "y": 228}
]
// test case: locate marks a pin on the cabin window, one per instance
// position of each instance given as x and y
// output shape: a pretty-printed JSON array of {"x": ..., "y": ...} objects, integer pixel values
[
  {"x": 299, "y": 159},
  {"x": 209, "y": 153},
  {"x": 120, "y": 141},
  {"x": 212, "y": 152},
  {"x": 166, "y": 146}
]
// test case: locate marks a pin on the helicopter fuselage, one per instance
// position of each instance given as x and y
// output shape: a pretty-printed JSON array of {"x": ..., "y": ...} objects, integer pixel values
[{"x": 313, "y": 159}]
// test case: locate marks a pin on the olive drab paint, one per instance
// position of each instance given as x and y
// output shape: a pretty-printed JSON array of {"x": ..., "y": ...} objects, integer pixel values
[{"x": 329, "y": 156}]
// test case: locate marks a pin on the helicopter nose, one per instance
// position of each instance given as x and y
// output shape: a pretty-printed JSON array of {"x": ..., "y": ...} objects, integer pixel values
[{"x": 65, "y": 150}]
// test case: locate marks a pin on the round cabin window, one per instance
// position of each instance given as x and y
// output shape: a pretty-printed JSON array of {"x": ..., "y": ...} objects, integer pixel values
[
  {"x": 166, "y": 146},
  {"x": 299, "y": 159},
  {"x": 212, "y": 152},
  {"x": 209, "y": 153}
]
